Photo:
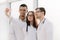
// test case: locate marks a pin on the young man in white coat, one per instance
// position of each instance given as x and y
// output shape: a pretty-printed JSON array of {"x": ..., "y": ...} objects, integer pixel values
[
  {"x": 16, "y": 31},
  {"x": 44, "y": 26}
]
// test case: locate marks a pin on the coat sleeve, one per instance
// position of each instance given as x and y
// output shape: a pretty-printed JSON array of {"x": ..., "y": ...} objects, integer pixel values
[
  {"x": 50, "y": 31},
  {"x": 11, "y": 31}
]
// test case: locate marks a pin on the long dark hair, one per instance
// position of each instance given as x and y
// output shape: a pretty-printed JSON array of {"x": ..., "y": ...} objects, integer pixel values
[{"x": 28, "y": 22}]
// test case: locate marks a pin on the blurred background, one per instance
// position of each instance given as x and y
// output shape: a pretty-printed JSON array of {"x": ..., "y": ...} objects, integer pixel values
[{"x": 52, "y": 13}]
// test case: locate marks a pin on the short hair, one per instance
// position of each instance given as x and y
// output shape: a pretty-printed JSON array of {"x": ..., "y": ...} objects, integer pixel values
[
  {"x": 42, "y": 9},
  {"x": 23, "y": 5}
]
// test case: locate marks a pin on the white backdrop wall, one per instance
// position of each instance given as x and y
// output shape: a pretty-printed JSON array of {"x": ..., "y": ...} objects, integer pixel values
[
  {"x": 4, "y": 23},
  {"x": 53, "y": 14},
  {"x": 15, "y": 7}
]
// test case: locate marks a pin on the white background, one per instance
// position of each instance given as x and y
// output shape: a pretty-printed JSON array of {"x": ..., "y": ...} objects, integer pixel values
[
  {"x": 3, "y": 23},
  {"x": 15, "y": 7},
  {"x": 52, "y": 13}
]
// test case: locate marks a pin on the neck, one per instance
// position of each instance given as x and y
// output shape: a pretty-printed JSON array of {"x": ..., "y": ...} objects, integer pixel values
[{"x": 31, "y": 23}]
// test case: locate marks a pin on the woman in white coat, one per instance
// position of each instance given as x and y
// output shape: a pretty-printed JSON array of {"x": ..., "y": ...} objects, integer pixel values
[{"x": 31, "y": 26}]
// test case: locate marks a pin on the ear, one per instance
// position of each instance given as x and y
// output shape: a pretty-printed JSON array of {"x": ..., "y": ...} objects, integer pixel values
[{"x": 43, "y": 13}]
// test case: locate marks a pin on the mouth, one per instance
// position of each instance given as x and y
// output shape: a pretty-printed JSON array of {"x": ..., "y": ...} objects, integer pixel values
[{"x": 22, "y": 16}]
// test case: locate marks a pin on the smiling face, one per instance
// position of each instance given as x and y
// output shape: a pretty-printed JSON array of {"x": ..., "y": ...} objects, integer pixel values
[
  {"x": 22, "y": 11},
  {"x": 30, "y": 19},
  {"x": 30, "y": 16},
  {"x": 38, "y": 13}
]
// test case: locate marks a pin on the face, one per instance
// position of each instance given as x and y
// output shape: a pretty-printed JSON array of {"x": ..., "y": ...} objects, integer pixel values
[
  {"x": 23, "y": 11},
  {"x": 30, "y": 17},
  {"x": 38, "y": 13}
]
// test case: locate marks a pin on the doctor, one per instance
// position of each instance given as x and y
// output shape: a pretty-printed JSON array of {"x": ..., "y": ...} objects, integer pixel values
[
  {"x": 17, "y": 25},
  {"x": 31, "y": 26},
  {"x": 44, "y": 29}
]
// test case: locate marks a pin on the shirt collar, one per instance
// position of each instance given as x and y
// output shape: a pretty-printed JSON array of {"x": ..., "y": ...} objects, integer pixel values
[
  {"x": 43, "y": 20},
  {"x": 23, "y": 20}
]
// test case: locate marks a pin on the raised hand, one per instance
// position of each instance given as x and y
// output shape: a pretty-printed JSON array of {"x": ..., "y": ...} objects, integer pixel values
[{"x": 7, "y": 12}]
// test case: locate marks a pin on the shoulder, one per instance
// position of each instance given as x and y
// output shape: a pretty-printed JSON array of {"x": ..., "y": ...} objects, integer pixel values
[
  {"x": 13, "y": 21},
  {"x": 48, "y": 25},
  {"x": 47, "y": 21}
]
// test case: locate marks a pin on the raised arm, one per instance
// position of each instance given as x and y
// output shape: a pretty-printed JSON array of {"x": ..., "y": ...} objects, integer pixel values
[{"x": 8, "y": 12}]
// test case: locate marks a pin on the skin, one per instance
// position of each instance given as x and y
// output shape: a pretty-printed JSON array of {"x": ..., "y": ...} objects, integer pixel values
[
  {"x": 22, "y": 12},
  {"x": 30, "y": 17},
  {"x": 39, "y": 14},
  {"x": 7, "y": 12}
]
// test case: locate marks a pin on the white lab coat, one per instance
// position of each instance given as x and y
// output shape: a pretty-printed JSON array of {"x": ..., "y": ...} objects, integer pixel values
[
  {"x": 16, "y": 29},
  {"x": 31, "y": 33},
  {"x": 45, "y": 31}
]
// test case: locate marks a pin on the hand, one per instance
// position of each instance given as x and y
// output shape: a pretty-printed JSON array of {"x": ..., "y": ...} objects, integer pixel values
[{"x": 8, "y": 12}]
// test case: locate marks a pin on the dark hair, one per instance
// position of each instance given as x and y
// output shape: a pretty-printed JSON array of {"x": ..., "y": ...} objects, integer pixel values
[
  {"x": 23, "y": 5},
  {"x": 42, "y": 10},
  {"x": 28, "y": 22}
]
